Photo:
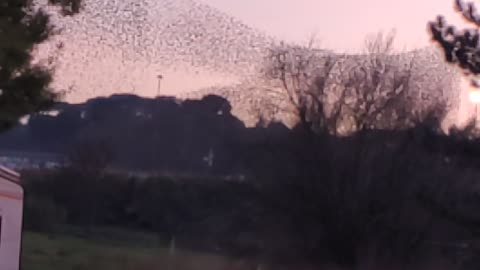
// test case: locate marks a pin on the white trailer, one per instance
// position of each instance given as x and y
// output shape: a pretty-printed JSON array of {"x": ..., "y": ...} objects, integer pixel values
[{"x": 11, "y": 214}]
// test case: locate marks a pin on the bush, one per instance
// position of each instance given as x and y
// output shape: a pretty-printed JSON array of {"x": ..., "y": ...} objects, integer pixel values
[
  {"x": 316, "y": 198},
  {"x": 42, "y": 214}
]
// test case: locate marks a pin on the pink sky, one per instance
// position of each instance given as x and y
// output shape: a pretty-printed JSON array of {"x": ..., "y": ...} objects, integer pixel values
[
  {"x": 97, "y": 61},
  {"x": 341, "y": 24}
]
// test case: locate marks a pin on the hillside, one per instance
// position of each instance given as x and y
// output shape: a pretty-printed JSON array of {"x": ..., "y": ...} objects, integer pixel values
[{"x": 141, "y": 133}]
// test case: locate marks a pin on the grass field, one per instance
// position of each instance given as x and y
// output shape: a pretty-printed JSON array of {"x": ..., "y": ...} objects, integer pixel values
[{"x": 43, "y": 252}]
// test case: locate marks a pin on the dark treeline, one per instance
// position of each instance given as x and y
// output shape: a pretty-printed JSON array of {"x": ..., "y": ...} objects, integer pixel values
[
  {"x": 162, "y": 134},
  {"x": 398, "y": 197}
]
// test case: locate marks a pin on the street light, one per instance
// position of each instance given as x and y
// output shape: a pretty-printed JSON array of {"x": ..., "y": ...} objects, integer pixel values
[{"x": 159, "y": 78}]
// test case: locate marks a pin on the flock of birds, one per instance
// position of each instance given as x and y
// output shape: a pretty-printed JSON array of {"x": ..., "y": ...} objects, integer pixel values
[
  {"x": 123, "y": 45},
  {"x": 128, "y": 46}
]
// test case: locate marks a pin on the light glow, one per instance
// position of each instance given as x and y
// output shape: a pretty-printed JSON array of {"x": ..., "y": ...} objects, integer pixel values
[{"x": 475, "y": 96}]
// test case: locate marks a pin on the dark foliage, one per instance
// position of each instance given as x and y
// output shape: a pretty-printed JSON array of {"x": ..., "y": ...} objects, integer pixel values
[
  {"x": 24, "y": 88},
  {"x": 314, "y": 197},
  {"x": 460, "y": 46},
  {"x": 140, "y": 134}
]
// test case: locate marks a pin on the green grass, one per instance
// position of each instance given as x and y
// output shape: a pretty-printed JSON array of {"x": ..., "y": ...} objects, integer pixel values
[
  {"x": 122, "y": 250},
  {"x": 43, "y": 252}
]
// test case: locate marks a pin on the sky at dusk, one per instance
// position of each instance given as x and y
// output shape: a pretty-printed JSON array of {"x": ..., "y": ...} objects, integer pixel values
[{"x": 120, "y": 46}]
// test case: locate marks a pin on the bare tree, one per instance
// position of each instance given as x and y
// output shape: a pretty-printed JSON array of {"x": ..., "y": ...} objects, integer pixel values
[
  {"x": 325, "y": 89},
  {"x": 302, "y": 73},
  {"x": 354, "y": 188},
  {"x": 378, "y": 85}
]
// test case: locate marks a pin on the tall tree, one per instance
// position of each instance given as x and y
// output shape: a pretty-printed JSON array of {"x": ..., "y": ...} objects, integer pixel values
[
  {"x": 460, "y": 46},
  {"x": 24, "y": 87}
]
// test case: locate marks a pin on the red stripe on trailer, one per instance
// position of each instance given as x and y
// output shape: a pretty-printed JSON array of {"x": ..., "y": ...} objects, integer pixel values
[
  {"x": 11, "y": 195},
  {"x": 11, "y": 172},
  {"x": 9, "y": 175}
]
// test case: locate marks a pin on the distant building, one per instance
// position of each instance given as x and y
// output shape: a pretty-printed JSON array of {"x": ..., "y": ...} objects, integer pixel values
[{"x": 19, "y": 160}]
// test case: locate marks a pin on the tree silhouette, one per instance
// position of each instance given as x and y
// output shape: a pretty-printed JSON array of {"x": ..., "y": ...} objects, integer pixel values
[
  {"x": 24, "y": 87},
  {"x": 372, "y": 95}
]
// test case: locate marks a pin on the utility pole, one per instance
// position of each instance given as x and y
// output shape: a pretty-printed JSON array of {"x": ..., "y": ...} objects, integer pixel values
[{"x": 156, "y": 132}]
